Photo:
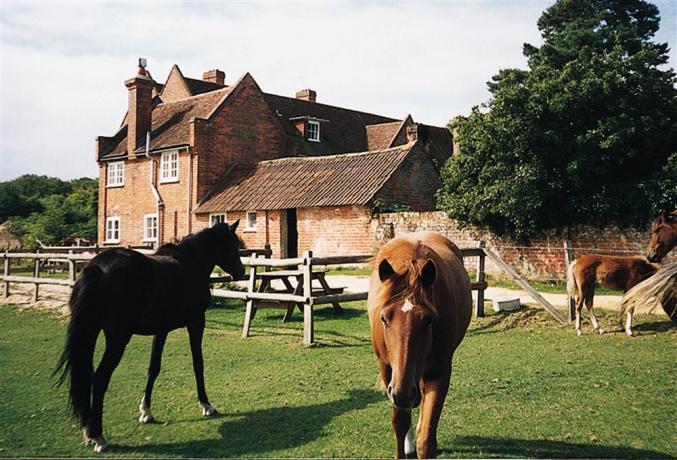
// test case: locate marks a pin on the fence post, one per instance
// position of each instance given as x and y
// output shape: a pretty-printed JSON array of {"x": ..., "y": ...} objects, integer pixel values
[
  {"x": 480, "y": 277},
  {"x": 308, "y": 326},
  {"x": 71, "y": 271},
  {"x": 6, "y": 275},
  {"x": 251, "y": 287},
  {"x": 568, "y": 258},
  {"x": 37, "y": 283}
]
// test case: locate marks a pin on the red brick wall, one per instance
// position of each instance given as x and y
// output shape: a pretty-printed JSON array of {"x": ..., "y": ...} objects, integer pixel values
[
  {"x": 135, "y": 199},
  {"x": 343, "y": 230},
  {"x": 414, "y": 183},
  {"x": 243, "y": 131},
  {"x": 542, "y": 258},
  {"x": 267, "y": 229}
]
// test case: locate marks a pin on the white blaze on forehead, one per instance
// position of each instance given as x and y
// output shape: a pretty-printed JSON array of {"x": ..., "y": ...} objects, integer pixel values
[{"x": 407, "y": 306}]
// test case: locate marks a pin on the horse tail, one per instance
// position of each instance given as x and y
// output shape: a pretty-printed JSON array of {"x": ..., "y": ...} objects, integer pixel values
[
  {"x": 75, "y": 363},
  {"x": 572, "y": 285}
]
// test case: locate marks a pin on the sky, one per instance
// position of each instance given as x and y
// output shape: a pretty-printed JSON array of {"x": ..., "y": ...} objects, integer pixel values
[{"x": 63, "y": 64}]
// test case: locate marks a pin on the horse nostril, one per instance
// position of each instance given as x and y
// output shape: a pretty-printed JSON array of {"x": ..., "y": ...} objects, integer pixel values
[{"x": 390, "y": 390}]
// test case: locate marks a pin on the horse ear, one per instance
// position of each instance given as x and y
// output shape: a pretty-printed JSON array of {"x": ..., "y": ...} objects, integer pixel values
[
  {"x": 429, "y": 273},
  {"x": 385, "y": 270},
  {"x": 234, "y": 225}
]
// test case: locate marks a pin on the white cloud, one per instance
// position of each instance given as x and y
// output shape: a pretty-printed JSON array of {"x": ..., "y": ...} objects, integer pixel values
[{"x": 62, "y": 65}]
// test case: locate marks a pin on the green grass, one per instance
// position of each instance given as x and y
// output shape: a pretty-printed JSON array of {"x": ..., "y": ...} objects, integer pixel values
[
  {"x": 347, "y": 270},
  {"x": 523, "y": 386}
]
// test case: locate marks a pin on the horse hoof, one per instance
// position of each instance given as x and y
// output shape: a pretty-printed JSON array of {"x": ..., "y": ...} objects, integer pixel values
[
  {"x": 208, "y": 410},
  {"x": 629, "y": 333},
  {"x": 146, "y": 418},
  {"x": 100, "y": 445}
]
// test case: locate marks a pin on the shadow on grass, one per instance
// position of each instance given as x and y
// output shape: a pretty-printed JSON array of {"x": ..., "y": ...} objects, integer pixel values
[
  {"x": 262, "y": 432},
  {"x": 501, "y": 322},
  {"x": 477, "y": 446}
]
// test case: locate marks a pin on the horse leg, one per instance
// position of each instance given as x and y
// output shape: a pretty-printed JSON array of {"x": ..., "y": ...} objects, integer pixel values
[
  {"x": 401, "y": 423},
  {"x": 115, "y": 348},
  {"x": 593, "y": 318},
  {"x": 195, "y": 332},
  {"x": 579, "y": 310},
  {"x": 628, "y": 324},
  {"x": 153, "y": 371},
  {"x": 435, "y": 394}
]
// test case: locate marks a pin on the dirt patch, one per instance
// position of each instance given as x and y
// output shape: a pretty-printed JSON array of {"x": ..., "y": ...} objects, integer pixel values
[{"x": 53, "y": 298}]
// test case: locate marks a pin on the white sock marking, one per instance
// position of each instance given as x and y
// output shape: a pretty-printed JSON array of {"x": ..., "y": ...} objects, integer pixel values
[{"x": 409, "y": 443}]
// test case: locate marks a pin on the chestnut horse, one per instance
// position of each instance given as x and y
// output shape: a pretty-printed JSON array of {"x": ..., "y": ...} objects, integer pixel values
[
  {"x": 419, "y": 309},
  {"x": 663, "y": 236},
  {"x": 612, "y": 272}
]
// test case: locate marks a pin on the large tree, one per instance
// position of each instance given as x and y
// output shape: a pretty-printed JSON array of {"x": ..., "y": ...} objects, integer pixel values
[{"x": 585, "y": 135}]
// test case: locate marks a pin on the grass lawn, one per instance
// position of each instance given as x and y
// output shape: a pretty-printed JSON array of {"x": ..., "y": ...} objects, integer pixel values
[{"x": 523, "y": 386}]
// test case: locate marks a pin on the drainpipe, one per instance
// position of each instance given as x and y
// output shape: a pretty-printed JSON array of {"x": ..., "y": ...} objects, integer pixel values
[{"x": 158, "y": 199}]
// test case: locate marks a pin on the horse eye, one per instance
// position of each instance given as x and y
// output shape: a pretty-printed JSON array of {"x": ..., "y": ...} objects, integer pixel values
[{"x": 384, "y": 320}]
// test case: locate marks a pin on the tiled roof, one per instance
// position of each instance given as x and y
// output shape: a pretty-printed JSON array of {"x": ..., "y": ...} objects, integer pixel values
[
  {"x": 200, "y": 86},
  {"x": 380, "y": 136},
  {"x": 344, "y": 131},
  {"x": 299, "y": 182},
  {"x": 170, "y": 125}
]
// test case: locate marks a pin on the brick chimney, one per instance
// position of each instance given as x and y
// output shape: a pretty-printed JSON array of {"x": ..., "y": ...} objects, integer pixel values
[
  {"x": 214, "y": 76},
  {"x": 139, "y": 112},
  {"x": 306, "y": 95}
]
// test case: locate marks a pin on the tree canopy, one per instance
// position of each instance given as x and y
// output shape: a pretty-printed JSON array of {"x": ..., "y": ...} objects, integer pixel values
[
  {"x": 585, "y": 135},
  {"x": 49, "y": 209}
]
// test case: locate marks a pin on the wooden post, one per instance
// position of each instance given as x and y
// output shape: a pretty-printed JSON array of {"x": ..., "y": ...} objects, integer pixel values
[
  {"x": 71, "y": 270},
  {"x": 308, "y": 326},
  {"x": 6, "y": 275},
  {"x": 251, "y": 287},
  {"x": 524, "y": 285},
  {"x": 568, "y": 258},
  {"x": 37, "y": 284},
  {"x": 479, "y": 307}
]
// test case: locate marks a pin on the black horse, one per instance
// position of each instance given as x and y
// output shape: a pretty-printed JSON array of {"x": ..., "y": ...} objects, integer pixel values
[{"x": 124, "y": 292}]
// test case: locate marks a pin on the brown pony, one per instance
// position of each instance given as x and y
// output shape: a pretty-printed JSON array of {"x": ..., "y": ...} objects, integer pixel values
[
  {"x": 612, "y": 272},
  {"x": 663, "y": 236},
  {"x": 419, "y": 309}
]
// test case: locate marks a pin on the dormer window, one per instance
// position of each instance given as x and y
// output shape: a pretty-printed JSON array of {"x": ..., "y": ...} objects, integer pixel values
[{"x": 314, "y": 131}]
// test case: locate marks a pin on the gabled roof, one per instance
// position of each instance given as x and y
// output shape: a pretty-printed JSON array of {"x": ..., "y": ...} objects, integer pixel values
[
  {"x": 170, "y": 122},
  {"x": 200, "y": 86},
  {"x": 334, "y": 180},
  {"x": 344, "y": 131},
  {"x": 381, "y": 136}
]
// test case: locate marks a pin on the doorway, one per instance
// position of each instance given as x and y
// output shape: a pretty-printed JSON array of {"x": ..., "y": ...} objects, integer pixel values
[{"x": 292, "y": 234}]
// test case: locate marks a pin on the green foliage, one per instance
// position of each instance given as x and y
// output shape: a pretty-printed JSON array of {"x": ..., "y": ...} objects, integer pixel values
[
  {"x": 584, "y": 136},
  {"x": 381, "y": 205},
  {"x": 49, "y": 209}
]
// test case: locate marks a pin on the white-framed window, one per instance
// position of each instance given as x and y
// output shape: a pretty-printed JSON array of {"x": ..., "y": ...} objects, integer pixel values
[
  {"x": 314, "y": 131},
  {"x": 169, "y": 167},
  {"x": 217, "y": 218},
  {"x": 150, "y": 227},
  {"x": 112, "y": 229},
  {"x": 116, "y": 174},
  {"x": 250, "y": 222}
]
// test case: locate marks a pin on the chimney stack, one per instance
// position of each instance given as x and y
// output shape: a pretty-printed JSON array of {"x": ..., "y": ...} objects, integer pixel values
[
  {"x": 140, "y": 107},
  {"x": 306, "y": 95},
  {"x": 215, "y": 76}
]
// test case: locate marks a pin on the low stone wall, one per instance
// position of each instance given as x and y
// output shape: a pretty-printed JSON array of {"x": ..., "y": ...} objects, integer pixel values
[{"x": 542, "y": 259}]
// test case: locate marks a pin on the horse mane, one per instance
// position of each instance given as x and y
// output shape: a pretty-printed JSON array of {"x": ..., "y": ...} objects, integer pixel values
[
  {"x": 655, "y": 290},
  {"x": 193, "y": 238},
  {"x": 405, "y": 283}
]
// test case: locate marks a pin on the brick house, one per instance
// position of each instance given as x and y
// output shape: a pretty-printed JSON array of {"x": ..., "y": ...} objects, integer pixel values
[{"x": 299, "y": 174}]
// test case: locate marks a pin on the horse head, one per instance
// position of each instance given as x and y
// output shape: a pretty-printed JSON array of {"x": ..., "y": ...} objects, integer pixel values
[
  {"x": 663, "y": 236},
  {"x": 407, "y": 319},
  {"x": 227, "y": 249}
]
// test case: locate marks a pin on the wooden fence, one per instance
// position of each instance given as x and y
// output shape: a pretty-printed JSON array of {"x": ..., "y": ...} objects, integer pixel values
[{"x": 259, "y": 262}]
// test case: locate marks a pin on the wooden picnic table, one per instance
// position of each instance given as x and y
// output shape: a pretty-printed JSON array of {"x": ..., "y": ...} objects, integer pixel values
[{"x": 287, "y": 277}]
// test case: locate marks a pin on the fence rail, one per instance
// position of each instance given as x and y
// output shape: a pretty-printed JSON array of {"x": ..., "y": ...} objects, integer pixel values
[{"x": 259, "y": 262}]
